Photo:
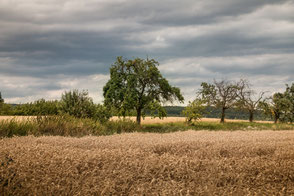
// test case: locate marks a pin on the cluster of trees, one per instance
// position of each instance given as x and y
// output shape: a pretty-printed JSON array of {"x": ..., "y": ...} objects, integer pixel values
[
  {"x": 239, "y": 94},
  {"x": 74, "y": 103},
  {"x": 280, "y": 106},
  {"x": 137, "y": 86}
]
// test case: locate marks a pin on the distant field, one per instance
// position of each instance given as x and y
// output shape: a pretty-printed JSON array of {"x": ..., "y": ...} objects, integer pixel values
[
  {"x": 147, "y": 120},
  {"x": 181, "y": 163}
]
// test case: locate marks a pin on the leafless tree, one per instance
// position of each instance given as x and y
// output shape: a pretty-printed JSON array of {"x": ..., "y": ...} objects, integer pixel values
[
  {"x": 247, "y": 98},
  {"x": 221, "y": 94}
]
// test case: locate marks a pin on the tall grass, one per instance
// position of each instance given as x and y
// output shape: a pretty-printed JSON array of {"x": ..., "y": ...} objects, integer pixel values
[
  {"x": 71, "y": 126},
  {"x": 64, "y": 126}
]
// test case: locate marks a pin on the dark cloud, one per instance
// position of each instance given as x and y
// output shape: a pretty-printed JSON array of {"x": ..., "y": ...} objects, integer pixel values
[{"x": 44, "y": 46}]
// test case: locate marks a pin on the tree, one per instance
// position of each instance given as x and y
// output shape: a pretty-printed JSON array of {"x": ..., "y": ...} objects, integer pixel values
[
  {"x": 1, "y": 99},
  {"x": 246, "y": 99},
  {"x": 222, "y": 94},
  {"x": 138, "y": 85},
  {"x": 80, "y": 105},
  {"x": 76, "y": 103},
  {"x": 289, "y": 95},
  {"x": 5, "y": 109},
  {"x": 276, "y": 106},
  {"x": 1, "y": 103},
  {"x": 194, "y": 110}
]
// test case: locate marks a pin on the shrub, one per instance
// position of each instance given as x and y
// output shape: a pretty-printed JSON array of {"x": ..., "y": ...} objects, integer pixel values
[
  {"x": 194, "y": 110},
  {"x": 76, "y": 103},
  {"x": 80, "y": 105}
]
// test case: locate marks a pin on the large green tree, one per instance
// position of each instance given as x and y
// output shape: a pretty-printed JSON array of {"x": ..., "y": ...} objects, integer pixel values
[{"x": 138, "y": 85}]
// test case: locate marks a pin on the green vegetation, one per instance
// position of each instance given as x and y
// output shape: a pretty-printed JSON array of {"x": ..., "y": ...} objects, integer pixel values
[
  {"x": 194, "y": 110},
  {"x": 64, "y": 126},
  {"x": 137, "y": 85},
  {"x": 280, "y": 106},
  {"x": 39, "y": 107},
  {"x": 77, "y": 127},
  {"x": 221, "y": 94},
  {"x": 137, "y": 88},
  {"x": 80, "y": 105}
]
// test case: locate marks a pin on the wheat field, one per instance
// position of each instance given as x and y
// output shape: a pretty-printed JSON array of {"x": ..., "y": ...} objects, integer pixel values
[
  {"x": 150, "y": 120},
  {"x": 181, "y": 163},
  {"x": 146, "y": 120}
]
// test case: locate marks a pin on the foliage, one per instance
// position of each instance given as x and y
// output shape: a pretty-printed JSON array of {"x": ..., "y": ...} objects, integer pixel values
[
  {"x": 1, "y": 99},
  {"x": 9, "y": 128},
  {"x": 4, "y": 108},
  {"x": 276, "y": 106},
  {"x": 221, "y": 94},
  {"x": 80, "y": 105},
  {"x": 138, "y": 85},
  {"x": 194, "y": 110},
  {"x": 39, "y": 107},
  {"x": 100, "y": 113},
  {"x": 77, "y": 127},
  {"x": 76, "y": 103},
  {"x": 289, "y": 95},
  {"x": 63, "y": 125}
]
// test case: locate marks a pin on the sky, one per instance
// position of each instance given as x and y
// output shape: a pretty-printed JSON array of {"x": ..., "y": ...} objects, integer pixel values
[{"x": 51, "y": 46}]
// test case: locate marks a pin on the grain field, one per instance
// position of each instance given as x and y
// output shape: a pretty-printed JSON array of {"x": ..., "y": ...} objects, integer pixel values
[{"x": 181, "y": 163}]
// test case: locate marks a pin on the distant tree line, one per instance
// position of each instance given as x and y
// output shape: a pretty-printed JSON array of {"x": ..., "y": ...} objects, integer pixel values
[
  {"x": 238, "y": 95},
  {"x": 74, "y": 103},
  {"x": 137, "y": 88}
]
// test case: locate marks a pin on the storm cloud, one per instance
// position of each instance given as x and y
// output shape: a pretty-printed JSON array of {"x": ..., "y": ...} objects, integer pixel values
[{"x": 47, "y": 47}]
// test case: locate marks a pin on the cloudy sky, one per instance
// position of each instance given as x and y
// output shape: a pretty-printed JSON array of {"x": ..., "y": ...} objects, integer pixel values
[{"x": 49, "y": 46}]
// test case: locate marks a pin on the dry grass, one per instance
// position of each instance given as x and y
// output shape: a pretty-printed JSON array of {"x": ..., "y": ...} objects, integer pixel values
[
  {"x": 149, "y": 120},
  {"x": 181, "y": 163},
  {"x": 146, "y": 120}
]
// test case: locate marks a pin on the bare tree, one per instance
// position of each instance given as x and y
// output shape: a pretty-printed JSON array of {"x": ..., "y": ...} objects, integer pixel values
[
  {"x": 246, "y": 98},
  {"x": 221, "y": 94}
]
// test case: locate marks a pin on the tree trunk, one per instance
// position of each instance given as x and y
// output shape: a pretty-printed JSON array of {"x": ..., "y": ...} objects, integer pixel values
[
  {"x": 251, "y": 113},
  {"x": 139, "y": 116},
  {"x": 223, "y": 115},
  {"x": 276, "y": 119}
]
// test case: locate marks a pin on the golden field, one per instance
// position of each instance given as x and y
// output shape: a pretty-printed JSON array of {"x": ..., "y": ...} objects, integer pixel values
[
  {"x": 150, "y": 120},
  {"x": 181, "y": 163},
  {"x": 146, "y": 120}
]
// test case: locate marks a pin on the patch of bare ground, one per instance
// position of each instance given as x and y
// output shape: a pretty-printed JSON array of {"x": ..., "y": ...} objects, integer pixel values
[{"x": 181, "y": 163}]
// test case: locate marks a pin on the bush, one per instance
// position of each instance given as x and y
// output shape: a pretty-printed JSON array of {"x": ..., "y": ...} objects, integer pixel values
[
  {"x": 100, "y": 113},
  {"x": 194, "y": 110},
  {"x": 39, "y": 107},
  {"x": 76, "y": 103},
  {"x": 80, "y": 105}
]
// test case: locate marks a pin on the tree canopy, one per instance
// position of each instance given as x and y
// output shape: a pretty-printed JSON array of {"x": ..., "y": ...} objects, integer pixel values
[
  {"x": 221, "y": 94},
  {"x": 138, "y": 85}
]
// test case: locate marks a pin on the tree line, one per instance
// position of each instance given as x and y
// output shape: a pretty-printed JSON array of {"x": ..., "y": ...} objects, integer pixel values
[
  {"x": 136, "y": 87},
  {"x": 226, "y": 94}
]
